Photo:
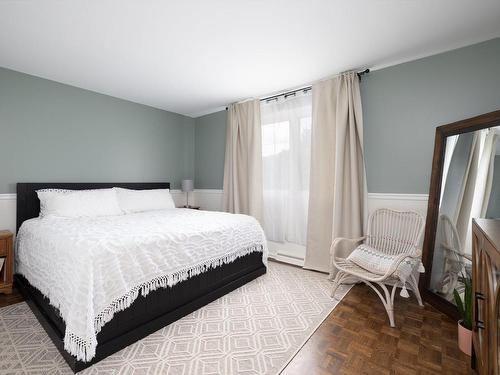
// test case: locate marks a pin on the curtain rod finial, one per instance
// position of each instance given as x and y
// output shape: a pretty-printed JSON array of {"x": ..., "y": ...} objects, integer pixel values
[{"x": 363, "y": 72}]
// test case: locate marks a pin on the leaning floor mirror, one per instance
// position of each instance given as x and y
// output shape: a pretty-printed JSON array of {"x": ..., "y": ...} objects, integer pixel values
[{"x": 465, "y": 184}]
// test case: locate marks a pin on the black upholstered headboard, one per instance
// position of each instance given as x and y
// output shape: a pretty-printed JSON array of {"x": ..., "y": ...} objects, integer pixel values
[{"x": 28, "y": 205}]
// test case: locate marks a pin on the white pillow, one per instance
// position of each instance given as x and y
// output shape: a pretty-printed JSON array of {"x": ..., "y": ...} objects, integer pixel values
[
  {"x": 45, "y": 195},
  {"x": 144, "y": 200},
  {"x": 371, "y": 259},
  {"x": 378, "y": 262},
  {"x": 83, "y": 203}
]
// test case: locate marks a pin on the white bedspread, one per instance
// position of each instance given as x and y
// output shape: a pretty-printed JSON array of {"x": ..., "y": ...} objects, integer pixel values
[{"x": 91, "y": 268}]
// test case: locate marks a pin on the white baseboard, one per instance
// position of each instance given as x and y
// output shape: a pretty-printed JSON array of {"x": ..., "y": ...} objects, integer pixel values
[
  {"x": 286, "y": 259},
  {"x": 287, "y": 252}
]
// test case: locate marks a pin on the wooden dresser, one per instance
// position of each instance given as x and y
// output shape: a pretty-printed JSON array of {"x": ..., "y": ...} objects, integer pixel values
[{"x": 486, "y": 295}]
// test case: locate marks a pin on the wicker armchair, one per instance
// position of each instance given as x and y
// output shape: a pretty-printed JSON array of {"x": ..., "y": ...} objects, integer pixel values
[{"x": 394, "y": 234}]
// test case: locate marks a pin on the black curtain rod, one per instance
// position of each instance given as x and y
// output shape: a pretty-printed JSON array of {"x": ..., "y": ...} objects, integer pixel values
[
  {"x": 366, "y": 71},
  {"x": 303, "y": 89},
  {"x": 287, "y": 94}
]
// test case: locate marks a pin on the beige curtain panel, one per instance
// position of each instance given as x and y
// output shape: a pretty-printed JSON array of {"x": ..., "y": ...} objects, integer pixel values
[
  {"x": 466, "y": 195},
  {"x": 476, "y": 198},
  {"x": 243, "y": 161},
  {"x": 337, "y": 195}
]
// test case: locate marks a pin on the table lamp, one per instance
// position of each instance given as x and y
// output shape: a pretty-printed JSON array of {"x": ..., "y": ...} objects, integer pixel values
[{"x": 187, "y": 186}]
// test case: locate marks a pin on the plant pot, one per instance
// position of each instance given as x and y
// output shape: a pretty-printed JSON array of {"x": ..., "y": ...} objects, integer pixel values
[{"x": 464, "y": 338}]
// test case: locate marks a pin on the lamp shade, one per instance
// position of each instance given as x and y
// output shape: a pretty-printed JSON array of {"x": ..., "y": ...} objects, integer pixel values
[{"x": 187, "y": 185}]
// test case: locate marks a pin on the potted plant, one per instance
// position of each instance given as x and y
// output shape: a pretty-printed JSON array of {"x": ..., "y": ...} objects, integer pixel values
[{"x": 465, "y": 310}]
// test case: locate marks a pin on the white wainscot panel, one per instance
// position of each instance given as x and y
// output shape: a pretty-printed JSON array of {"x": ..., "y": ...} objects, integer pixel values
[
  {"x": 180, "y": 198},
  {"x": 400, "y": 202},
  {"x": 208, "y": 199},
  {"x": 8, "y": 212},
  {"x": 211, "y": 199}
]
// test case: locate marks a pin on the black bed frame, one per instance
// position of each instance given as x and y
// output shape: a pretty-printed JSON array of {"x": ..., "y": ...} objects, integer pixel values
[{"x": 147, "y": 314}]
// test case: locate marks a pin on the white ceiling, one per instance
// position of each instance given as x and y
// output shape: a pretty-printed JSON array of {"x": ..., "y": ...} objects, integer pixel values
[{"x": 194, "y": 56}]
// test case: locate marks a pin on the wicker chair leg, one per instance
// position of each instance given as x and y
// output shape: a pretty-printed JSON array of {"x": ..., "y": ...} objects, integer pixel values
[
  {"x": 341, "y": 275},
  {"x": 387, "y": 299}
]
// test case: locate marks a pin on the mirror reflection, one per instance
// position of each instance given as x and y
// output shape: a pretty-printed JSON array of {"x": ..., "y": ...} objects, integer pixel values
[{"x": 470, "y": 188}]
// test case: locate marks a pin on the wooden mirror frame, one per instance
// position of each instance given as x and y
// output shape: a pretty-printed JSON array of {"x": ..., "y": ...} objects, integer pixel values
[{"x": 487, "y": 120}]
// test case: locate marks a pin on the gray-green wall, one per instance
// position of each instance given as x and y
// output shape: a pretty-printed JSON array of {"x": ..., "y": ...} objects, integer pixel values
[
  {"x": 50, "y": 131},
  {"x": 210, "y": 144},
  {"x": 403, "y": 104},
  {"x": 59, "y": 133}
]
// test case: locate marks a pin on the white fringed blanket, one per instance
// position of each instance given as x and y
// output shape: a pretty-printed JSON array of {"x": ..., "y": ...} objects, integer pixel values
[{"x": 91, "y": 268}]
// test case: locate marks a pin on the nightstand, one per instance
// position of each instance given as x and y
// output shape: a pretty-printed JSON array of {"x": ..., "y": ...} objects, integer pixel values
[
  {"x": 191, "y": 207},
  {"x": 7, "y": 253}
]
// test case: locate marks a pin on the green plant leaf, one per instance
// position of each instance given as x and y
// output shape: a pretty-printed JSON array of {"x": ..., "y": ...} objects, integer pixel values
[
  {"x": 465, "y": 307},
  {"x": 468, "y": 305},
  {"x": 459, "y": 303}
]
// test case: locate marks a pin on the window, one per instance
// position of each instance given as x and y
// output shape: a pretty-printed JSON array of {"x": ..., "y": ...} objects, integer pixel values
[
  {"x": 286, "y": 153},
  {"x": 275, "y": 138}
]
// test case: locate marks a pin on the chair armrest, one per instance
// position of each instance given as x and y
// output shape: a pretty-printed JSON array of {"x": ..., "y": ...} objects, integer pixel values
[
  {"x": 416, "y": 253},
  {"x": 337, "y": 241},
  {"x": 395, "y": 264}
]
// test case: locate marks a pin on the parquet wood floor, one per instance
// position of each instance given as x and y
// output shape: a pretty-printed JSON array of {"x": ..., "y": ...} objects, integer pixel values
[
  {"x": 10, "y": 299},
  {"x": 356, "y": 339}
]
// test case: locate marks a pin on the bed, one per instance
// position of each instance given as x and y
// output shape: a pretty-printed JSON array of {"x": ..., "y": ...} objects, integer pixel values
[{"x": 153, "y": 305}]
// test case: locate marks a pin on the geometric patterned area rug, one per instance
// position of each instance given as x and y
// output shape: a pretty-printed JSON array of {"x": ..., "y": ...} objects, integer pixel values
[{"x": 255, "y": 329}]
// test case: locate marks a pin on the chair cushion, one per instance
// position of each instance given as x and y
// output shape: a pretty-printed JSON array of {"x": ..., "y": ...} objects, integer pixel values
[{"x": 379, "y": 263}]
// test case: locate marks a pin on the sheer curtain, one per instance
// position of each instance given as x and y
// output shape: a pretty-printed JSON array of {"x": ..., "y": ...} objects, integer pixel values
[
  {"x": 483, "y": 183},
  {"x": 475, "y": 189},
  {"x": 286, "y": 153},
  {"x": 451, "y": 142}
]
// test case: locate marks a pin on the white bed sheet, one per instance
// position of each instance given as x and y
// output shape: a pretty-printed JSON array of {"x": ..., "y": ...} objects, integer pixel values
[{"x": 91, "y": 268}]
